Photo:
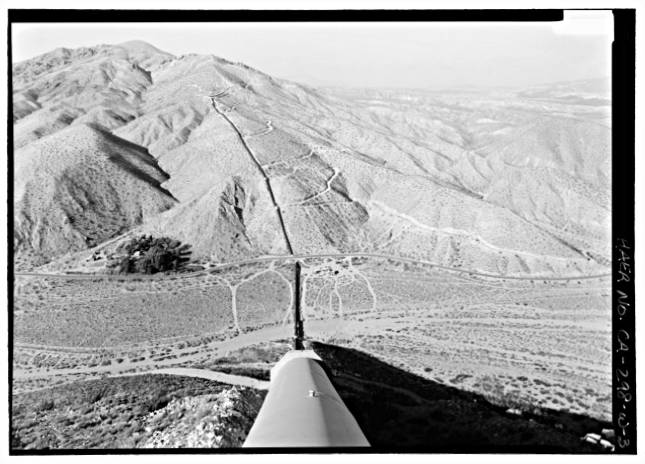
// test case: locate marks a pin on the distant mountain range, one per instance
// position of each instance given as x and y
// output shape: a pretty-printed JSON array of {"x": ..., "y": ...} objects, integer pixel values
[{"x": 121, "y": 139}]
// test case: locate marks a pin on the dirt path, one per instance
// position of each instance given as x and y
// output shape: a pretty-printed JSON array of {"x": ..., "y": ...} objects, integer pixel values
[
  {"x": 221, "y": 377},
  {"x": 209, "y": 375},
  {"x": 214, "y": 350},
  {"x": 313, "y": 196},
  {"x": 325, "y": 255},
  {"x": 260, "y": 168},
  {"x": 211, "y": 351},
  {"x": 269, "y": 129}
]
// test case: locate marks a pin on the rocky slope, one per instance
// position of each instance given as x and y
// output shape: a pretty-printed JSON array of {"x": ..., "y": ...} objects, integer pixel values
[
  {"x": 219, "y": 420},
  {"x": 139, "y": 411},
  {"x": 499, "y": 182}
]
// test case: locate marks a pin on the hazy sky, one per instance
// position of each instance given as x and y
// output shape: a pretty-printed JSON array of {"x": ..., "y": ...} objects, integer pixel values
[{"x": 422, "y": 55}]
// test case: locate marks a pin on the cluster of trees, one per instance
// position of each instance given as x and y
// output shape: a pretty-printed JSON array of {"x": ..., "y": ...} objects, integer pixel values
[{"x": 148, "y": 255}]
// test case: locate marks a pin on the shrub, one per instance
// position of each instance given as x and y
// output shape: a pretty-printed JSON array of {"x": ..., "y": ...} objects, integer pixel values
[
  {"x": 148, "y": 255},
  {"x": 46, "y": 405},
  {"x": 157, "y": 400},
  {"x": 16, "y": 441}
]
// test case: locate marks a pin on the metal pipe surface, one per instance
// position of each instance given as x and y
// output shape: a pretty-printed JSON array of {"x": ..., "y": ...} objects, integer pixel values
[{"x": 303, "y": 409}]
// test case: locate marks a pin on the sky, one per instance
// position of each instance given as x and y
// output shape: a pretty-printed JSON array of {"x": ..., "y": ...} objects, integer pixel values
[{"x": 392, "y": 55}]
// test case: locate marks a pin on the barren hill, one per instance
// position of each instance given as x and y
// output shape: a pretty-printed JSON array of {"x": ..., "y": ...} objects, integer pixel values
[
  {"x": 79, "y": 187},
  {"x": 499, "y": 182}
]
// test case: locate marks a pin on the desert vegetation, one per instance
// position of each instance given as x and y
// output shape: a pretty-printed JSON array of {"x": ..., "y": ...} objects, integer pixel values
[
  {"x": 509, "y": 340},
  {"x": 400, "y": 410},
  {"x": 148, "y": 255},
  {"x": 134, "y": 412}
]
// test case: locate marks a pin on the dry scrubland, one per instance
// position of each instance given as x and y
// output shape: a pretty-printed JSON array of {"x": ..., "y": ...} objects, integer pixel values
[
  {"x": 395, "y": 408},
  {"x": 523, "y": 343},
  {"x": 461, "y": 236},
  {"x": 399, "y": 410},
  {"x": 148, "y": 411}
]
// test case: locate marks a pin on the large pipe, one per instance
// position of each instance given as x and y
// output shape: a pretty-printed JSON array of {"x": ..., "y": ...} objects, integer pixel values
[
  {"x": 299, "y": 329},
  {"x": 303, "y": 409}
]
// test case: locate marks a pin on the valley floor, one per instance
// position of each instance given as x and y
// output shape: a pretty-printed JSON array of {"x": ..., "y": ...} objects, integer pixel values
[{"x": 521, "y": 343}]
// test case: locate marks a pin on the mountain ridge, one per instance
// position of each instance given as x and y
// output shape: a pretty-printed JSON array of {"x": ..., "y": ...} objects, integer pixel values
[{"x": 498, "y": 183}]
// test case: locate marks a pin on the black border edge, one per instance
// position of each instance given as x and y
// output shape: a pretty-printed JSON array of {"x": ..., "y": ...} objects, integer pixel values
[
  {"x": 448, "y": 449},
  {"x": 622, "y": 206},
  {"x": 48, "y": 16},
  {"x": 10, "y": 263}
]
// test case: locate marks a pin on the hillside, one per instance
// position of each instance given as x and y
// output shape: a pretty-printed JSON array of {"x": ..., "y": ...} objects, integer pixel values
[
  {"x": 80, "y": 187},
  {"x": 508, "y": 183},
  {"x": 144, "y": 411}
]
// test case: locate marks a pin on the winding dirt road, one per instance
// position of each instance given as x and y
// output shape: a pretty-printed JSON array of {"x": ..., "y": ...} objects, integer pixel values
[
  {"x": 221, "y": 377},
  {"x": 260, "y": 168},
  {"x": 325, "y": 255}
]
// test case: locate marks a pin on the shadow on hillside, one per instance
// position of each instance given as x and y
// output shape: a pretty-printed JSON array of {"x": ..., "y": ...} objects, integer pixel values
[{"x": 400, "y": 411}]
